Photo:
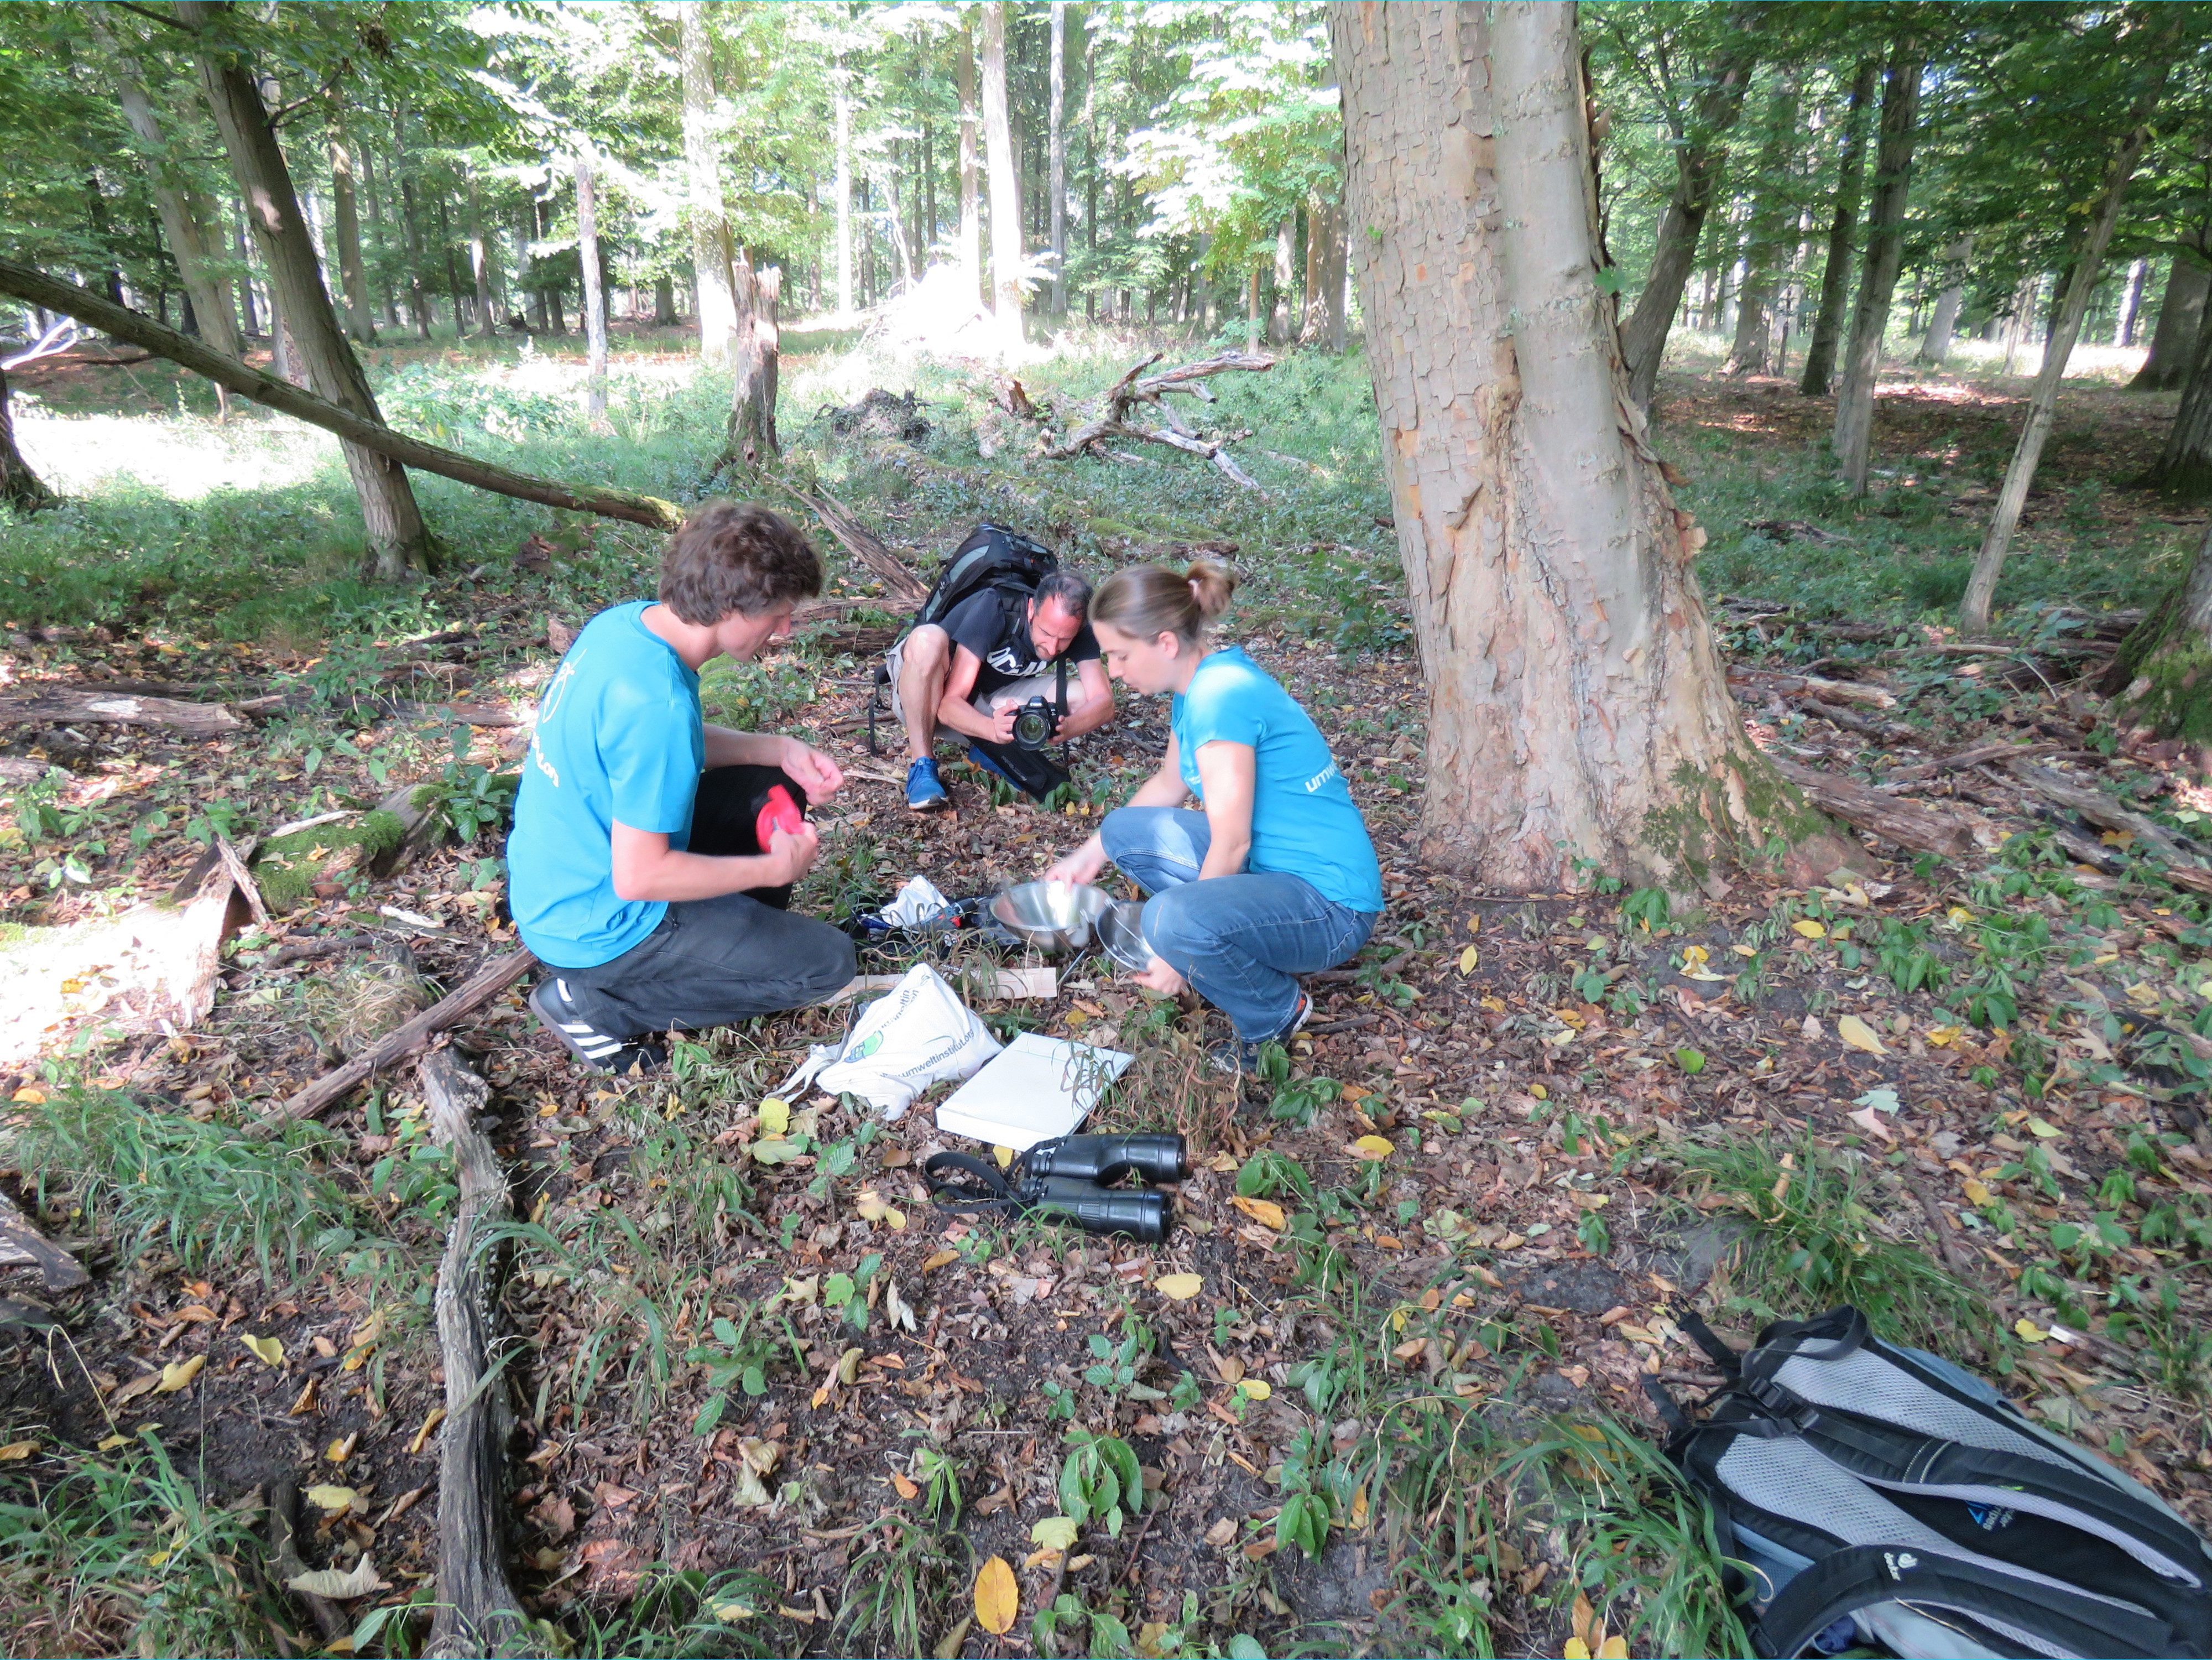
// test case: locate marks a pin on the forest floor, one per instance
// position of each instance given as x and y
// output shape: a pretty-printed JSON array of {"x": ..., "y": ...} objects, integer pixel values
[{"x": 772, "y": 1407}]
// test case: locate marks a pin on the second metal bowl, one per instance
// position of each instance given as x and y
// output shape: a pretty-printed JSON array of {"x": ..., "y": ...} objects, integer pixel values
[
  {"x": 1052, "y": 915},
  {"x": 1121, "y": 932}
]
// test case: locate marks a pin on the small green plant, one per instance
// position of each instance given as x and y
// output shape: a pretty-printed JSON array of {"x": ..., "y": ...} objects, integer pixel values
[
  {"x": 896, "y": 1590},
  {"x": 1296, "y": 1101},
  {"x": 1267, "y": 1173},
  {"x": 739, "y": 1357},
  {"x": 1100, "y": 1480},
  {"x": 467, "y": 798},
  {"x": 2153, "y": 1325},
  {"x": 937, "y": 1472}
]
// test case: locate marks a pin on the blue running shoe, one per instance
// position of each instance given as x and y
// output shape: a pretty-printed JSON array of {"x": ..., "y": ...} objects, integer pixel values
[
  {"x": 976, "y": 755},
  {"x": 925, "y": 790}
]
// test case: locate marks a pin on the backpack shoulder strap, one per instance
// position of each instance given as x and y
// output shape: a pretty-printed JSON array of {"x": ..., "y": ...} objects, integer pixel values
[{"x": 1845, "y": 1581}]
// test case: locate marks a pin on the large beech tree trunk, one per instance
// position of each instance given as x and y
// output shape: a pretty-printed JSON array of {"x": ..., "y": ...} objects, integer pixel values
[
  {"x": 2163, "y": 677},
  {"x": 971, "y": 205},
  {"x": 20, "y": 487},
  {"x": 710, "y": 222},
  {"x": 1005, "y": 194},
  {"x": 1885, "y": 254},
  {"x": 1935, "y": 345},
  {"x": 1699, "y": 162},
  {"x": 2042, "y": 402},
  {"x": 2184, "y": 467},
  {"x": 1836, "y": 274},
  {"x": 2180, "y": 320},
  {"x": 1577, "y": 709},
  {"x": 393, "y": 524}
]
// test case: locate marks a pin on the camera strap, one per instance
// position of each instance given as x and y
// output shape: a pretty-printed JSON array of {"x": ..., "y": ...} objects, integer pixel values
[{"x": 1060, "y": 695}]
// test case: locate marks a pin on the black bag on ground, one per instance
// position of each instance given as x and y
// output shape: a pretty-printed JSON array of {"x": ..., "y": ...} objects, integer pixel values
[
  {"x": 991, "y": 557},
  {"x": 1878, "y": 1496}
]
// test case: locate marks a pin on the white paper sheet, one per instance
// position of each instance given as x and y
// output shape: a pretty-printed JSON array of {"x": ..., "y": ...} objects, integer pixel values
[{"x": 1035, "y": 1089}]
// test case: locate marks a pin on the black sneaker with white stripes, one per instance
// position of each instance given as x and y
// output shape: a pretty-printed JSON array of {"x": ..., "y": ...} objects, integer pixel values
[{"x": 550, "y": 1002}]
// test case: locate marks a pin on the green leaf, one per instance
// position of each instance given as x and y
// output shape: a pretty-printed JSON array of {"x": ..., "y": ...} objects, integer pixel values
[
  {"x": 1691, "y": 1060},
  {"x": 837, "y": 1291}
]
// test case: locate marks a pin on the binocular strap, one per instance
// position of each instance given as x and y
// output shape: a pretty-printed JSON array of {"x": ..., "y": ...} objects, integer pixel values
[{"x": 987, "y": 1190}]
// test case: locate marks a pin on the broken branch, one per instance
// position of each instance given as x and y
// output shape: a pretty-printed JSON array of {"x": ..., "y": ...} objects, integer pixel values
[{"x": 1906, "y": 823}]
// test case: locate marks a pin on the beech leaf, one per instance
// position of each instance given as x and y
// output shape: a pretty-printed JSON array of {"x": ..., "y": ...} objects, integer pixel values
[
  {"x": 179, "y": 1375},
  {"x": 1179, "y": 1287},
  {"x": 1856, "y": 1034},
  {"x": 267, "y": 1350},
  {"x": 1053, "y": 1533},
  {"x": 1372, "y": 1148},
  {"x": 998, "y": 1598},
  {"x": 1263, "y": 1211},
  {"x": 339, "y": 1585}
]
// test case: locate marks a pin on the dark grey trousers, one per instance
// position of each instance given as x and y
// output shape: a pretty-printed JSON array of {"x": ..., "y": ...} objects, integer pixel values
[{"x": 713, "y": 961}]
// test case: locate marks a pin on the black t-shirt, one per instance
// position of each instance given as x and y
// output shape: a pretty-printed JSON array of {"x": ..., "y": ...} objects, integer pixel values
[{"x": 992, "y": 625}]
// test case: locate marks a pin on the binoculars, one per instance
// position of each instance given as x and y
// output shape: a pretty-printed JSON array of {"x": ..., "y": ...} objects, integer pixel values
[{"x": 1069, "y": 1180}]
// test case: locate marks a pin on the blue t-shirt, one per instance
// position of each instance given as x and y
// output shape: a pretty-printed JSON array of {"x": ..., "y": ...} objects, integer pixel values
[
  {"x": 620, "y": 736},
  {"x": 1304, "y": 822}
]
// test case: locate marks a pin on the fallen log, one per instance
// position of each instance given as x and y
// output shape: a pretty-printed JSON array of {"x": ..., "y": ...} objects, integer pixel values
[
  {"x": 904, "y": 588},
  {"x": 2100, "y": 809},
  {"x": 494, "y": 977},
  {"x": 1813, "y": 685},
  {"x": 58, "y": 706},
  {"x": 22, "y": 1245},
  {"x": 1906, "y": 823},
  {"x": 23, "y": 281},
  {"x": 478, "y": 1612},
  {"x": 1135, "y": 386},
  {"x": 1960, "y": 760}
]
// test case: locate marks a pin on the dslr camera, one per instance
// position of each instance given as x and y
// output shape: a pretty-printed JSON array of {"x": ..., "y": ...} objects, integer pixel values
[{"x": 1034, "y": 724}]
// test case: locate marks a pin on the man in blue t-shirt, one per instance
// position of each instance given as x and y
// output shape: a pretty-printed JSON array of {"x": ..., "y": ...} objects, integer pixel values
[{"x": 652, "y": 856}]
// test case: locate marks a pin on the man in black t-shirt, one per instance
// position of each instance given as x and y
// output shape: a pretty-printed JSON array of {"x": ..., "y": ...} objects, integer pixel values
[{"x": 971, "y": 673}]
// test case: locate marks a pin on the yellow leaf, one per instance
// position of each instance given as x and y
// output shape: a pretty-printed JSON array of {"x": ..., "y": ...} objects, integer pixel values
[
  {"x": 1467, "y": 959},
  {"x": 937, "y": 1259},
  {"x": 1253, "y": 1389},
  {"x": 873, "y": 1208},
  {"x": 31, "y": 1096},
  {"x": 1496, "y": 1005},
  {"x": 1856, "y": 1034},
  {"x": 1262, "y": 1211},
  {"x": 2028, "y": 1330},
  {"x": 342, "y": 1449},
  {"x": 1373, "y": 1147},
  {"x": 1179, "y": 1287},
  {"x": 179, "y": 1375},
  {"x": 1693, "y": 954},
  {"x": 334, "y": 1499},
  {"x": 15, "y": 1450},
  {"x": 906, "y": 1489},
  {"x": 849, "y": 1365},
  {"x": 1811, "y": 930},
  {"x": 2117, "y": 838},
  {"x": 1614, "y": 1648},
  {"x": 1576, "y": 1649},
  {"x": 1006, "y": 1157},
  {"x": 1539, "y": 1091},
  {"x": 998, "y": 1599},
  {"x": 267, "y": 1350},
  {"x": 1053, "y": 1533},
  {"x": 110, "y": 1442},
  {"x": 776, "y": 1117},
  {"x": 728, "y": 1611},
  {"x": 1584, "y": 1618},
  {"x": 1958, "y": 914},
  {"x": 1977, "y": 1194},
  {"x": 1943, "y": 1036},
  {"x": 437, "y": 1416}
]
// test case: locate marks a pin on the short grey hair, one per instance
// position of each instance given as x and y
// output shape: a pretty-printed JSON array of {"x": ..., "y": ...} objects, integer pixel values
[{"x": 1071, "y": 590}]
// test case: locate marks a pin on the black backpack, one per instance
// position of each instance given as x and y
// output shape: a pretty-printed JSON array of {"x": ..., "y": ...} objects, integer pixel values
[{"x": 1876, "y": 1495}]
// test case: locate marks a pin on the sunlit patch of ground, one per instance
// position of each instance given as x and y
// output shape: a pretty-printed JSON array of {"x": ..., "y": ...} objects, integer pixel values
[{"x": 185, "y": 457}]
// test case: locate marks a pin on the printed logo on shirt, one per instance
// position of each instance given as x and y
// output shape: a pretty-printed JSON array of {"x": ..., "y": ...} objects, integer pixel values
[
  {"x": 547, "y": 706},
  {"x": 1321, "y": 779},
  {"x": 1011, "y": 663}
]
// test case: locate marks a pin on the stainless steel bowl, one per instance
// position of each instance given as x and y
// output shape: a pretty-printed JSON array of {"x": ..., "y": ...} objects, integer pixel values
[
  {"x": 1121, "y": 932},
  {"x": 1054, "y": 917}
]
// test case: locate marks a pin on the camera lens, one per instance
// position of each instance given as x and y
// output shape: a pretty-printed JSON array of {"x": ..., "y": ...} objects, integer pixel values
[{"x": 1033, "y": 728}]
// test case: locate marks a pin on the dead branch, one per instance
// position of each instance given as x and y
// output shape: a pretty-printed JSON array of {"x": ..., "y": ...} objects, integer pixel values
[
  {"x": 1960, "y": 760},
  {"x": 1907, "y": 823},
  {"x": 282, "y": 1498},
  {"x": 56, "y": 705},
  {"x": 485, "y": 984},
  {"x": 2100, "y": 809},
  {"x": 23, "y": 1245},
  {"x": 478, "y": 1612},
  {"x": 904, "y": 588},
  {"x": 1136, "y": 387}
]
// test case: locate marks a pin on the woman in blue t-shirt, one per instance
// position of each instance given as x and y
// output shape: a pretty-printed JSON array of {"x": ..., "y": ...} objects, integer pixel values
[{"x": 1276, "y": 875}]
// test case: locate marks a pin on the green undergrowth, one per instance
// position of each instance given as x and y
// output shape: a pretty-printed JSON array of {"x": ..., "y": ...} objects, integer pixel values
[{"x": 119, "y": 1555}]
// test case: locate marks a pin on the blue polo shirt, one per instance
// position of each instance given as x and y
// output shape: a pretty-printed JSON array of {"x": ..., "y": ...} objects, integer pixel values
[
  {"x": 1303, "y": 820},
  {"x": 620, "y": 736}
]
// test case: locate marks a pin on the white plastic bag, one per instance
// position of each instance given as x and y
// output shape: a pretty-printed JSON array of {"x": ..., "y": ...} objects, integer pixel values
[
  {"x": 917, "y": 1034},
  {"x": 917, "y": 902}
]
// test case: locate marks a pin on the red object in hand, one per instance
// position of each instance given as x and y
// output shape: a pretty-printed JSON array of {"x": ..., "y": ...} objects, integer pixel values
[{"x": 778, "y": 813}]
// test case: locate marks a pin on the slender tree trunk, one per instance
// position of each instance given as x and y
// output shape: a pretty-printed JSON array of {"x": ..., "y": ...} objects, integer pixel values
[
  {"x": 2124, "y": 322},
  {"x": 1005, "y": 204},
  {"x": 2042, "y": 402},
  {"x": 664, "y": 301},
  {"x": 1577, "y": 707},
  {"x": 710, "y": 223},
  {"x": 971, "y": 206},
  {"x": 595, "y": 299},
  {"x": 1765, "y": 235},
  {"x": 378, "y": 243},
  {"x": 1885, "y": 252},
  {"x": 1699, "y": 163},
  {"x": 929, "y": 191},
  {"x": 452, "y": 270},
  {"x": 2180, "y": 320},
  {"x": 1836, "y": 274},
  {"x": 418, "y": 295},
  {"x": 842, "y": 120},
  {"x": 393, "y": 524},
  {"x": 20, "y": 487},
  {"x": 1936, "y": 348},
  {"x": 249, "y": 322},
  {"x": 480, "y": 261},
  {"x": 1280, "y": 326},
  {"x": 345, "y": 225},
  {"x": 1058, "y": 140}
]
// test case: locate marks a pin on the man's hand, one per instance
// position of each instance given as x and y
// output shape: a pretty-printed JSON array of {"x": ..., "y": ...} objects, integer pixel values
[
  {"x": 812, "y": 772},
  {"x": 792, "y": 854},
  {"x": 1161, "y": 977},
  {"x": 1002, "y": 723},
  {"x": 1082, "y": 866}
]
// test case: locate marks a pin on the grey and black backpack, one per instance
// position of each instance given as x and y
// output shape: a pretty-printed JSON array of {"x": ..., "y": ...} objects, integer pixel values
[{"x": 1873, "y": 1496}]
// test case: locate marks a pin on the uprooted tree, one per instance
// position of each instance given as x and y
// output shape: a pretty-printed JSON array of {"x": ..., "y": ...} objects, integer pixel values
[{"x": 1577, "y": 707}]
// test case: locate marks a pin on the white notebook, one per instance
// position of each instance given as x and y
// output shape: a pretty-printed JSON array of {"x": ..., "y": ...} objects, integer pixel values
[{"x": 1034, "y": 1089}]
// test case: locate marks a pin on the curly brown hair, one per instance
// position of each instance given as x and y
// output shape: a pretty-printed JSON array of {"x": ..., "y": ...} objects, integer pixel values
[{"x": 735, "y": 556}]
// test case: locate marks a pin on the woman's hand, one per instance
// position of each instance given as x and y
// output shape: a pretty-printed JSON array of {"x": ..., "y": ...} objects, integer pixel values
[
  {"x": 1082, "y": 866},
  {"x": 811, "y": 770},
  {"x": 1161, "y": 977}
]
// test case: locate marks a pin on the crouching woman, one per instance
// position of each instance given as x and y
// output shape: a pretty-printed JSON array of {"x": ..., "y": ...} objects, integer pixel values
[{"x": 1273, "y": 875}]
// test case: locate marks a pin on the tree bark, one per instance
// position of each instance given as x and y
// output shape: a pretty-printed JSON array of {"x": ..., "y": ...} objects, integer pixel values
[
  {"x": 25, "y": 283},
  {"x": 480, "y": 261},
  {"x": 1005, "y": 204},
  {"x": 842, "y": 123},
  {"x": 393, "y": 524},
  {"x": 664, "y": 301},
  {"x": 1577, "y": 705},
  {"x": 2185, "y": 465},
  {"x": 1700, "y": 159},
  {"x": 2180, "y": 321},
  {"x": 2130, "y": 306},
  {"x": 1885, "y": 252},
  {"x": 1836, "y": 275},
  {"x": 20, "y": 487},
  {"x": 1936, "y": 347},
  {"x": 345, "y": 226},
  {"x": 710, "y": 222},
  {"x": 752, "y": 439},
  {"x": 2042, "y": 402},
  {"x": 1057, "y": 140},
  {"x": 1767, "y": 234},
  {"x": 2163, "y": 674},
  {"x": 595, "y": 299},
  {"x": 971, "y": 206}
]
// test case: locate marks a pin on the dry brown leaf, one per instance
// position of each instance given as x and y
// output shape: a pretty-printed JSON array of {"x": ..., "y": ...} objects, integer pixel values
[
  {"x": 179, "y": 1375},
  {"x": 1263, "y": 1211}
]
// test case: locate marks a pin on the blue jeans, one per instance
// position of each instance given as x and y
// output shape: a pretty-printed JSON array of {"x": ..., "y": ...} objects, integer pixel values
[{"x": 1237, "y": 939}]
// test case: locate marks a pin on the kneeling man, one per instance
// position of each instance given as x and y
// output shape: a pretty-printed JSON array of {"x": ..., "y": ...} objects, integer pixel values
[
  {"x": 653, "y": 854},
  {"x": 970, "y": 675}
]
